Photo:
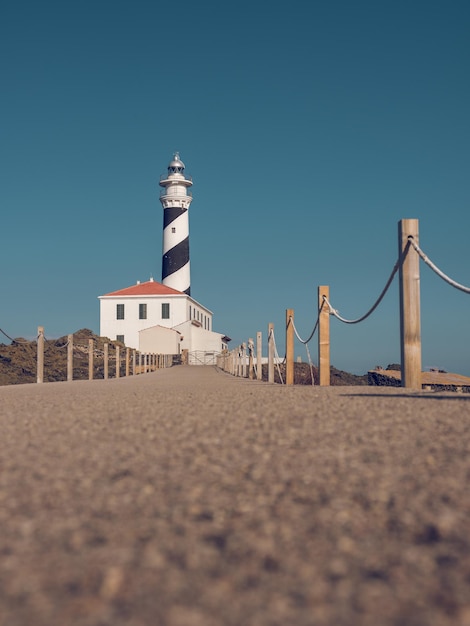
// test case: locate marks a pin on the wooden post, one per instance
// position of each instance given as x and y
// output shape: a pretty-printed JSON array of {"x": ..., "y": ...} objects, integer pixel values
[
  {"x": 90, "y": 359},
  {"x": 70, "y": 358},
  {"x": 133, "y": 362},
  {"x": 40, "y": 355},
  {"x": 118, "y": 363},
  {"x": 410, "y": 322},
  {"x": 259, "y": 356},
  {"x": 324, "y": 337},
  {"x": 106, "y": 361},
  {"x": 289, "y": 346},
  {"x": 270, "y": 353},
  {"x": 251, "y": 349},
  {"x": 128, "y": 353},
  {"x": 243, "y": 359}
]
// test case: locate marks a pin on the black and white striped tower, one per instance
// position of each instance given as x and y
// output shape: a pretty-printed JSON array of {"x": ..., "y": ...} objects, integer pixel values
[{"x": 175, "y": 201}]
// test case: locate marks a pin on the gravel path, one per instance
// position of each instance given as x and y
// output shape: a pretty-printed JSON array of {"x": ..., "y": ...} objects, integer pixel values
[{"x": 187, "y": 497}]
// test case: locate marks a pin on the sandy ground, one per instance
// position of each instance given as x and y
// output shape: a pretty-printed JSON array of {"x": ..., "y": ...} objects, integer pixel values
[{"x": 187, "y": 497}]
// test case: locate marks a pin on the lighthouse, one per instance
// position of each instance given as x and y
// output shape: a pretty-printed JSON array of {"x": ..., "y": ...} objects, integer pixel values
[
  {"x": 164, "y": 318},
  {"x": 175, "y": 201}
]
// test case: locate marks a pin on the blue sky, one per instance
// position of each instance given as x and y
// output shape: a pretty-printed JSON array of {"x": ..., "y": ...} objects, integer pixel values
[{"x": 309, "y": 129}]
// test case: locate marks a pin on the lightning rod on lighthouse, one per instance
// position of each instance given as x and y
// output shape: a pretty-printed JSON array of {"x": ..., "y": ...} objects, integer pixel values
[{"x": 175, "y": 202}]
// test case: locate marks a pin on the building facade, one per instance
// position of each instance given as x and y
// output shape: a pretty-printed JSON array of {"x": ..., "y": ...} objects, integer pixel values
[{"x": 127, "y": 312}]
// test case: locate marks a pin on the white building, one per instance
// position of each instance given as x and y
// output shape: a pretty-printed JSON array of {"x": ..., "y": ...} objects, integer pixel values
[
  {"x": 163, "y": 317},
  {"x": 152, "y": 317}
]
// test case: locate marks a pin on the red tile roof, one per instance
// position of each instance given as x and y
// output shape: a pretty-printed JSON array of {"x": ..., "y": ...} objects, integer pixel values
[{"x": 150, "y": 288}]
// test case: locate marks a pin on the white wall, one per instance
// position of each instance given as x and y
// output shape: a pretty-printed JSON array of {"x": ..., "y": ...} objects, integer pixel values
[
  {"x": 195, "y": 338},
  {"x": 131, "y": 324},
  {"x": 159, "y": 340}
]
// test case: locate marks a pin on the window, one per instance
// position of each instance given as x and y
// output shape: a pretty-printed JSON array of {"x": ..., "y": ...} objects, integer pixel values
[
  {"x": 142, "y": 311},
  {"x": 120, "y": 337},
  {"x": 189, "y": 311},
  {"x": 165, "y": 310},
  {"x": 173, "y": 229},
  {"x": 119, "y": 311}
]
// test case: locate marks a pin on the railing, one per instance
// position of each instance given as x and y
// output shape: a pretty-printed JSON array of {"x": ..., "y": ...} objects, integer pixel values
[
  {"x": 407, "y": 266},
  {"x": 202, "y": 357},
  {"x": 176, "y": 196},
  {"x": 109, "y": 360},
  {"x": 247, "y": 362}
]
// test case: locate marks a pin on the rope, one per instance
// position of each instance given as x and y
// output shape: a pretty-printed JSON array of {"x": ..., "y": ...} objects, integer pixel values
[
  {"x": 277, "y": 358},
  {"x": 436, "y": 269},
  {"x": 14, "y": 340},
  {"x": 310, "y": 364},
  {"x": 51, "y": 342},
  {"x": 396, "y": 267},
  {"x": 306, "y": 341},
  {"x": 251, "y": 353}
]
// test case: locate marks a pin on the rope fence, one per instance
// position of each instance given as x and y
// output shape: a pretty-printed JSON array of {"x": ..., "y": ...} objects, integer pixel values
[
  {"x": 407, "y": 266},
  {"x": 124, "y": 362}
]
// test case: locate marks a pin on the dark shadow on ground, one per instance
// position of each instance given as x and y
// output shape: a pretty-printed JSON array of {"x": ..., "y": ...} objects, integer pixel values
[{"x": 428, "y": 396}]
